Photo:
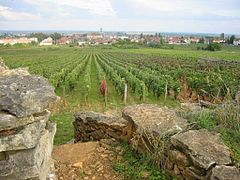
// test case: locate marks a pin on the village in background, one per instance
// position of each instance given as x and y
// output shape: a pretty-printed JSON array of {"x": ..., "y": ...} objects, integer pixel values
[{"x": 146, "y": 39}]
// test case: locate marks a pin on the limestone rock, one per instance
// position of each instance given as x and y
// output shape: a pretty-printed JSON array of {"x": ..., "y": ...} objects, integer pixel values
[
  {"x": 29, "y": 163},
  {"x": 25, "y": 95},
  {"x": 96, "y": 126},
  {"x": 15, "y": 72},
  {"x": 27, "y": 136},
  {"x": 203, "y": 147},
  {"x": 8, "y": 121},
  {"x": 195, "y": 107},
  {"x": 3, "y": 67},
  {"x": 5, "y": 71},
  {"x": 155, "y": 119},
  {"x": 178, "y": 158},
  {"x": 225, "y": 173}
]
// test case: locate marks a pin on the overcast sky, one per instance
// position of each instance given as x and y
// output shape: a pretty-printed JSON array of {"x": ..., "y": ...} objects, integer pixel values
[{"x": 211, "y": 16}]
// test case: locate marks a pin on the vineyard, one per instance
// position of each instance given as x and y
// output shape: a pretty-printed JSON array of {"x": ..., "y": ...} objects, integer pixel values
[{"x": 151, "y": 77}]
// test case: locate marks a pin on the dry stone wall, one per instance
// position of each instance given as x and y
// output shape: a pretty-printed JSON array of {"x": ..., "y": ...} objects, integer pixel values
[
  {"x": 187, "y": 154},
  {"x": 26, "y": 135},
  {"x": 94, "y": 126}
]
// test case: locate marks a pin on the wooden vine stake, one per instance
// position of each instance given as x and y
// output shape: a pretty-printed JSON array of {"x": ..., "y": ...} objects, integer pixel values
[
  {"x": 166, "y": 92},
  {"x": 105, "y": 97},
  {"x": 125, "y": 94}
]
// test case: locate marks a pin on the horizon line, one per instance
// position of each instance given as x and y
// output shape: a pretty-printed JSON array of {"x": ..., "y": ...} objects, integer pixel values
[{"x": 125, "y": 31}]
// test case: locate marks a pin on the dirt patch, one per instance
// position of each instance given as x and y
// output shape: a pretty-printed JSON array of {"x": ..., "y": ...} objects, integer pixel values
[{"x": 83, "y": 161}]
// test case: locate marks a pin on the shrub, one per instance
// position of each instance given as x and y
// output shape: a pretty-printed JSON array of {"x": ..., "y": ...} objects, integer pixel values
[
  {"x": 229, "y": 115},
  {"x": 213, "y": 47},
  {"x": 8, "y": 45}
]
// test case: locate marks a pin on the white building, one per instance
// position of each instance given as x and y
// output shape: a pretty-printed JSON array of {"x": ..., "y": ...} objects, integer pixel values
[
  {"x": 47, "y": 42},
  {"x": 236, "y": 42},
  {"x": 82, "y": 43},
  {"x": 123, "y": 37},
  {"x": 22, "y": 40}
]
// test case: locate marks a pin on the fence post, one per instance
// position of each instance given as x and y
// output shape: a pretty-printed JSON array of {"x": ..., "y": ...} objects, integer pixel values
[
  {"x": 125, "y": 94},
  {"x": 105, "y": 96},
  {"x": 166, "y": 92}
]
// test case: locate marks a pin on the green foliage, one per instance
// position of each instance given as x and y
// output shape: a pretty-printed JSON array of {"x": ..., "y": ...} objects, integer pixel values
[
  {"x": 210, "y": 80},
  {"x": 127, "y": 44},
  {"x": 137, "y": 166},
  {"x": 229, "y": 115},
  {"x": 40, "y": 36},
  {"x": 64, "y": 126},
  {"x": 201, "y": 48},
  {"x": 222, "y": 36},
  {"x": 87, "y": 79},
  {"x": 33, "y": 43},
  {"x": 213, "y": 47},
  {"x": 187, "y": 52},
  {"x": 201, "y": 40},
  {"x": 71, "y": 76},
  {"x": 137, "y": 85},
  {"x": 23, "y": 45},
  {"x": 3, "y": 35},
  {"x": 232, "y": 140},
  {"x": 160, "y": 45},
  {"x": 8, "y": 45},
  {"x": 100, "y": 73},
  {"x": 55, "y": 36},
  {"x": 231, "y": 39},
  {"x": 73, "y": 43},
  {"x": 204, "y": 119},
  {"x": 118, "y": 81}
]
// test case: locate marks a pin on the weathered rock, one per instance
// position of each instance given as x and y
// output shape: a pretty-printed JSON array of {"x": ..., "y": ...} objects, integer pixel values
[
  {"x": 5, "y": 71},
  {"x": 25, "y": 95},
  {"x": 95, "y": 126},
  {"x": 188, "y": 173},
  {"x": 191, "y": 107},
  {"x": 8, "y": 121},
  {"x": 26, "y": 137},
  {"x": 155, "y": 119},
  {"x": 203, "y": 147},
  {"x": 29, "y": 163},
  {"x": 225, "y": 173},
  {"x": 3, "y": 67},
  {"x": 178, "y": 158},
  {"x": 15, "y": 72}
]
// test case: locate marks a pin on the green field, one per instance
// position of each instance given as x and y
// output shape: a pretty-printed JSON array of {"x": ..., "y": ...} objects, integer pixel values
[{"x": 153, "y": 76}]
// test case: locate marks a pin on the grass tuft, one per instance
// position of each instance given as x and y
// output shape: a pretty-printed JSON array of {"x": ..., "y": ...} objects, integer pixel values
[{"x": 138, "y": 166}]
